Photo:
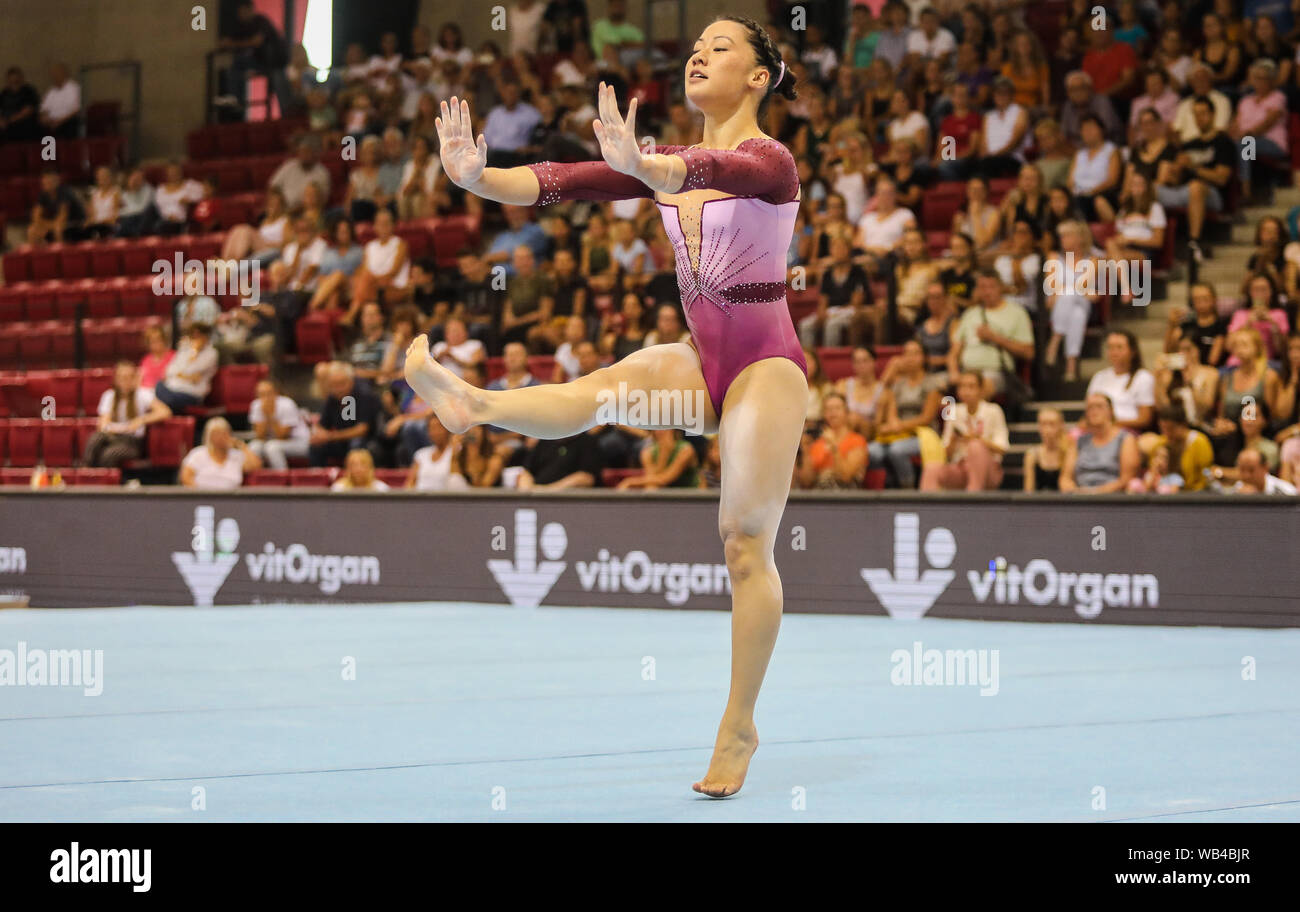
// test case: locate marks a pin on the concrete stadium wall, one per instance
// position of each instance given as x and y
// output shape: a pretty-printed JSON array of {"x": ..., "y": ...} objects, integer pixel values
[{"x": 1193, "y": 560}]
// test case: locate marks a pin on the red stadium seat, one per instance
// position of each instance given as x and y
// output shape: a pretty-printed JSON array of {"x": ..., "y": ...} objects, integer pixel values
[
  {"x": 99, "y": 342},
  {"x": 12, "y": 302},
  {"x": 169, "y": 441},
  {"x": 315, "y": 335},
  {"x": 450, "y": 236},
  {"x": 885, "y": 354},
  {"x": 62, "y": 335},
  {"x": 4, "y": 441},
  {"x": 17, "y": 263},
  {"x": 63, "y": 385},
  {"x": 9, "y": 333},
  {"x": 24, "y": 441},
  {"x": 40, "y": 301},
  {"x": 74, "y": 261},
  {"x": 201, "y": 143},
  {"x": 610, "y": 478},
  {"x": 136, "y": 297},
  {"x": 15, "y": 476},
  {"x": 802, "y": 303},
  {"x": 106, "y": 258},
  {"x": 59, "y": 441},
  {"x": 542, "y": 367},
  {"x": 267, "y": 478},
  {"x": 235, "y": 386},
  {"x": 875, "y": 479},
  {"x": 136, "y": 256},
  {"x": 43, "y": 263},
  {"x": 102, "y": 301},
  {"x": 312, "y": 478},
  {"x": 69, "y": 297},
  {"x": 837, "y": 361},
  {"x": 87, "y": 476},
  {"x": 34, "y": 344}
]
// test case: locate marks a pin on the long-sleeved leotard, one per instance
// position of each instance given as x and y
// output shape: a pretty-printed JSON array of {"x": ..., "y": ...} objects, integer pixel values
[{"x": 730, "y": 249}]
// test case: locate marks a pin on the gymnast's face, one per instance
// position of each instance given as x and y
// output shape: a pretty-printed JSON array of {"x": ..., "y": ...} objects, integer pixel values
[{"x": 722, "y": 67}]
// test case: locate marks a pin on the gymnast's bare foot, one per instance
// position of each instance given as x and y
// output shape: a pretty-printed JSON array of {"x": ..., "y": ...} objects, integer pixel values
[
  {"x": 454, "y": 400},
  {"x": 731, "y": 755}
]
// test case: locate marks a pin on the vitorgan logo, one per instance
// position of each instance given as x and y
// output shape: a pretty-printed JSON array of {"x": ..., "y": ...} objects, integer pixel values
[
  {"x": 206, "y": 568},
  {"x": 907, "y": 593},
  {"x": 526, "y": 581}
]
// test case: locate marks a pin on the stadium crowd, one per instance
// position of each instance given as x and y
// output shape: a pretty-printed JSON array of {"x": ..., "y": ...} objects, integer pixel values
[{"x": 1088, "y": 139}]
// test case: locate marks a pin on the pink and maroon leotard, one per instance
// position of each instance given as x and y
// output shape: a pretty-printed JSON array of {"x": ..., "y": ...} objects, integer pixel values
[{"x": 734, "y": 293}]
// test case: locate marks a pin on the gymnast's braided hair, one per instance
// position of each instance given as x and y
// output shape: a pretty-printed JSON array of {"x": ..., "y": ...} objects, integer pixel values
[{"x": 780, "y": 80}]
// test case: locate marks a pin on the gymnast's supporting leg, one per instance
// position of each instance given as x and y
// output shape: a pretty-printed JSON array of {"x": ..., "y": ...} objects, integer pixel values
[
  {"x": 557, "y": 410},
  {"x": 762, "y": 421}
]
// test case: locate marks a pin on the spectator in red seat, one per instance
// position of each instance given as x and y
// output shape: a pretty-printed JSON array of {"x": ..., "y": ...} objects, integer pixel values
[
  {"x": 1261, "y": 115},
  {"x": 1253, "y": 476},
  {"x": 668, "y": 327},
  {"x": 457, "y": 350},
  {"x": 436, "y": 467},
  {"x": 1262, "y": 311},
  {"x": 978, "y": 219},
  {"x": 19, "y": 108},
  {"x": 1044, "y": 460},
  {"x": 157, "y": 355},
  {"x": 625, "y": 331},
  {"x": 1005, "y": 133},
  {"x": 1200, "y": 79},
  {"x": 567, "y": 366},
  {"x": 1220, "y": 52},
  {"x": 418, "y": 195},
  {"x": 1112, "y": 65},
  {"x": 248, "y": 332},
  {"x": 957, "y": 150},
  {"x": 1160, "y": 98},
  {"x": 515, "y": 361},
  {"x": 1199, "y": 176},
  {"x": 279, "y": 431},
  {"x": 1172, "y": 57},
  {"x": 1152, "y": 150},
  {"x": 974, "y": 438},
  {"x": 292, "y": 177},
  {"x": 1129, "y": 388},
  {"x": 914, "y": 272},
  {"x": 364, "y": 197},
  {"x": 348, "y": 418},
  {"x": 204, "y": 214},
  {"x": 1272, "y": 240},
  {"x": 667, "y": 462},
  {"x": 61, "y": 106},
  {"x": 1026, "y": 67},
  {"x": 58, "y": 213},
  {"x": 372, "y": 343},
  {"x": 1095, "y": 173},
  {"x": 173, "y": 198},
  {"x": 911, "y": 402},
  {"x": 991, "y": 335},
  {"x": 189, "y": 375},
  {"x": 1082, "y": 99},
  {"x": 881, "y": 230},
  {"x": 1184, "y": 382},
  {"x": 529, "y": 299},
  {"x": 264, "y": 242},
  {"x": 1021, "y": 267},
  {"x": 1204, "y": 327},
  {"x": 339, "y": 262},
  {"x": 1105, "y": 459},
  {"x": 1140, "y": 225},
  {"x": 301, "y": 258},
  {"x": 125, "y": 409},
  {"x": 1250, "y": 382},
  {"x": 385, "y": 269},
  {"x": 137, "y": 214},
  {"x": 219, "y": 463},
  {"x": 359, "y": 474},
  {"x": 105, "y": 202}
]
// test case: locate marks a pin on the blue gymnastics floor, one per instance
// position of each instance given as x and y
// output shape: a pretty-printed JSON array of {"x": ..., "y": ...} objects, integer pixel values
[{"x": 556, "y": 715}]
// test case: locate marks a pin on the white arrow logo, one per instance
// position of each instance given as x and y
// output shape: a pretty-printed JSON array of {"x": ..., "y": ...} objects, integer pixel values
[
  {"x": 526, "y": 581},
  {"x": 205, "y": 568},
  {"x": 906, "y": 593}
]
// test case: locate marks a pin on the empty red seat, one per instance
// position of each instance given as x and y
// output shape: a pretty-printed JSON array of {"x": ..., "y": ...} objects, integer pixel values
[
  {"x": 312, "y": 478},
  {"x": 94, "y": 380},
  {"x": 99, "y": 341},
  {"x": 267, "y": 478},
  {"x": 610, "y": 478},
  {"x": 9, "y": 333},
  {"x": 204, "y": 247},
  {"x": 15, "y": 476},
  {"x": 12, "y": 302},
  {"x": 24, "y": 441},
  {"x": 106, "y": 258},
  {"x": 837, "y": 361},
  {"x": 315, "y": 335},
  {"x": 542, "y": 367},
  {"x": 235, "y": 386},
  {"x": 102, "y": 301},
  {"x": 136, "y": 297},
  {"x": 17, "y": 263},
  {"x": 74, "y": 261},
  {"x": 394, "y": 478},
  {"x": 43, "y": 263},
  {"x": 69, "y": 298},
  {"x": 62, "y": 386},
  {"x": 4, "y": 441},
  {"x": 417, "y": 240},
  {"x": 62, "y": 336},
  {"x": 40, "y": 301},
  {"x": 89, "y": 476},
  {"x": 231, "y": 139},
  {"x": 169, "y": 441},
  {"x": 201, "y": 143},
  {"x": 34, "y": 345},
  {"x": 136, "y": 256},
  {"x": 59, "y": 441}
]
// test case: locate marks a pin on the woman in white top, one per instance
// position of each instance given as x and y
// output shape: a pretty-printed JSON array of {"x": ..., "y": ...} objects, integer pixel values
[
  {"x": 220, "y": 462},
  {"x": 1095, "y": 173},
  {"x": 1130, "y": 387},
  {"x": 416, "y": 193},
  {"x": 437, "y": 466},
  {"x": 852, "y": 175},
  {"x": 279, "y": 429},
  {"x": 974, "y": 438},
  {"x": 1005, "y": 134},
  {"x": 265, "y": 241},
  {"x": 1021, "y": 267},
  {"x": 125, "y": 409},
  {"x": 359, "y": 473},
  {"x": 105, "y": 204},
  {"x": 1072, "y": 288},
  {"x": 301, "y": 257},
  {"x": 189, "y": 375},
  {"x": 385, "y": 269},
  {"x": 1140, "y": 225},
  {"x": 908, "y": 124},
  {"x": 173, "y": 198},
  {"x": 979, "y": 219}
]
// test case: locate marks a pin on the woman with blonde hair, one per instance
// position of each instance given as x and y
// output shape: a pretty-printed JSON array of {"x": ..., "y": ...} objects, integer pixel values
[
  {"x": 220, "y": 462},
  {"x": 359, "y": 473}
]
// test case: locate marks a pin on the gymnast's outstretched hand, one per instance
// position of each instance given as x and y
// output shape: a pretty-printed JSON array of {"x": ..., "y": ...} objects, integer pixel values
[
  {"x": 462, "y": 158},
  {"x": 617, "y": 136}
]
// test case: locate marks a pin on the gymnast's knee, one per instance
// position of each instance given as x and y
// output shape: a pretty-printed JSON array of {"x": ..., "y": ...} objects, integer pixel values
[{"x": 745, "y": 548}]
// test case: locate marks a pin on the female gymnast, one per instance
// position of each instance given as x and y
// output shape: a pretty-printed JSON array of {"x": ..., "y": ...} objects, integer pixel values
[{"x": 729, "y": 206}]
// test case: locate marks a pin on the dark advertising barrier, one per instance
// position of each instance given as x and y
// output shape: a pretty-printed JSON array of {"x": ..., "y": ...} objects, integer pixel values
[{"x": 1221, "y": 561}]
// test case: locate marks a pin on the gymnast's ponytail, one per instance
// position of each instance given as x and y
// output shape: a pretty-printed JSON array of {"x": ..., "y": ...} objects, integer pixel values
[{"x": 780, "y": 81}]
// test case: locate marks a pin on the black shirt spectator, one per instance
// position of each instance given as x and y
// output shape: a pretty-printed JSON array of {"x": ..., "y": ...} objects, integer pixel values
[
  {"x": 1203, "y": 336},
  {"x": 19, "y": 108},
  {"x": 349, "y": 405},
  {"x": 569, "y": 23},
  {"x": 1217, "y": 150},
  {"x": 63, "y": 195},
  {"x": 270, "y": 51},
  {"x": 840, "y": 294},
  {"x": 550, "y": 461}
]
